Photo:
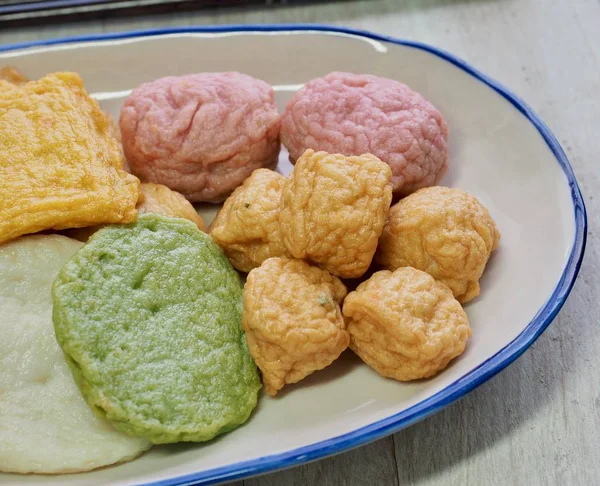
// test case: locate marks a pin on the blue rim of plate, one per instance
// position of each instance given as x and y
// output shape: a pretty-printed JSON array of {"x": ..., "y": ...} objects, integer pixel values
[{"x": 453, "y": 391}]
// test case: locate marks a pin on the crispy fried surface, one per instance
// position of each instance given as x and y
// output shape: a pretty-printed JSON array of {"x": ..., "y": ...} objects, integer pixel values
[
  {"x": 292, "y": 320},
  {"x": 14, "y": 76},
  {"x": 333, "y": 209},
  {"x": 159, "y": 199},
  {"x": 405, "y": 325},
  {"x": 247, "y": 228},
  {"x": 59, "y": 166},
  {"x": 446, "y": 232}
]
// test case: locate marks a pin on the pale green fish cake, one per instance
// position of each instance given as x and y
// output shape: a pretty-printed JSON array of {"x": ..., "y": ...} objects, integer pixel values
[{"x": 150, "y": 316}]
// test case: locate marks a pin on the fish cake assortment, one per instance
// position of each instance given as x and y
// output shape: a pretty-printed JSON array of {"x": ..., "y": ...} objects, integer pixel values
[
  {"x": 330, "y": 211},
  {"x": 156, "y": 339},
  {"x": 333, "y": 209}
]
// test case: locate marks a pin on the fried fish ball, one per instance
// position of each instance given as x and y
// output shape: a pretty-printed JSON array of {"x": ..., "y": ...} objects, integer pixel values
[
  {"x": 59, "y": 165},
  {"x": 446, "y": 232},
  {"x": 159, "y": 199},
  {"x": 333, "y": 209},
  {"x": 246, "y": 228},
  {"x": 405, "y": 325},
  {"x": 293, "y": 322}
]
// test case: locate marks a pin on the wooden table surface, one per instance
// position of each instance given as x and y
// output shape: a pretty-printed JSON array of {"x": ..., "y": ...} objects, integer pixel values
[{"x": 537, "y": 422}]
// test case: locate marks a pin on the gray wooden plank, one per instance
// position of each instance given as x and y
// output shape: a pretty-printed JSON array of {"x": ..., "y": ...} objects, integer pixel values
[{"x": 373, "y": 464}]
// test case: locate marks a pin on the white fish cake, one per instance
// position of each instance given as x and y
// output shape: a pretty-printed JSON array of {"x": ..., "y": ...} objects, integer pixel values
[{"x": 45, "y": 424}]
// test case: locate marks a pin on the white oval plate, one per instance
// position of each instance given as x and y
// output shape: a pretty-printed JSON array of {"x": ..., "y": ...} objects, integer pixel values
[{"x": 500, "y": 151}]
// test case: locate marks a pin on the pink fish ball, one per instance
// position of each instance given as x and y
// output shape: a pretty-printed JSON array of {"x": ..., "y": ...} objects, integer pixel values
[
  {"x": 200, "y": 134},
  {"x": 353, "y": 114}
]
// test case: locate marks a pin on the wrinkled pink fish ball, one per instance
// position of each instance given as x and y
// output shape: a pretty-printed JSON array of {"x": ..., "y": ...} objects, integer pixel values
[
  {"x": 200, "y": 134},
  {"x": 353, "y": 114}
]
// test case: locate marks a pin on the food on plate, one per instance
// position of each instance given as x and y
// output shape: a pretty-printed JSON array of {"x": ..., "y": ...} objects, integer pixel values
[
  {"x": 333, "y": 209},
  {"x": 12, "y": 75},
  {"x": 156, "y": 199},
  {"x": 446, "y": 232},
  {"x": 247, "y": 227},
  {"x": 150, "y": 315},
  {"x": 292, "y": 320},
  {"x": 159, "y": 199},
  {"x": 115, "y": 131},
  {"x": 145, "y": 335},
  {"x": 59, "y": 166},
  {"x": 201, "y": 134},
  {"x": 45, "y": 424},
  {"x": 405, "y": 325},
  {"x": 353, "y": 114}
]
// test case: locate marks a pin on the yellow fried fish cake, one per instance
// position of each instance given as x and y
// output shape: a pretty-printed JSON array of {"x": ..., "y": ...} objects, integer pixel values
[
  {"x": 14, "y": 76},
  {"x": 60, "y": 167},
  {"x": 154, "y": 198}
]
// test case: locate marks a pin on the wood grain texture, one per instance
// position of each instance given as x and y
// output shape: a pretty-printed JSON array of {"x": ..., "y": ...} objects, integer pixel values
[{"x": 538, "y": 422}]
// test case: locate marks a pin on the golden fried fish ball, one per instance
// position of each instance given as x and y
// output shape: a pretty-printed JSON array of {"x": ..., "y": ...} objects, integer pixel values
[
  {"x": 246, "y": 228},
  {"x": 293, "y": 322},
  {"x": 405, "y": 325},
  {"x": 333, "y": 209},
  {"x": 59, "y": 165},
  {"x": 159, "y": 199},
  {"x": 445, "y": 232}
]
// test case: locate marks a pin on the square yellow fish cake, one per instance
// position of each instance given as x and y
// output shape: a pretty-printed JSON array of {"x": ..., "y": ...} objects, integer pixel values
[{"x": 60, "y": 167}]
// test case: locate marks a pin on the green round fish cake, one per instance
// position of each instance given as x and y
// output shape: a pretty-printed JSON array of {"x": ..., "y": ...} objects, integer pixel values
[{"x": 149, "y": 315}]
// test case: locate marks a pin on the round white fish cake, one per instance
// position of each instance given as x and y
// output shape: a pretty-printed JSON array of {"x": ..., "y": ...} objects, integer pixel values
[{"x": 45, "y": 424}]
